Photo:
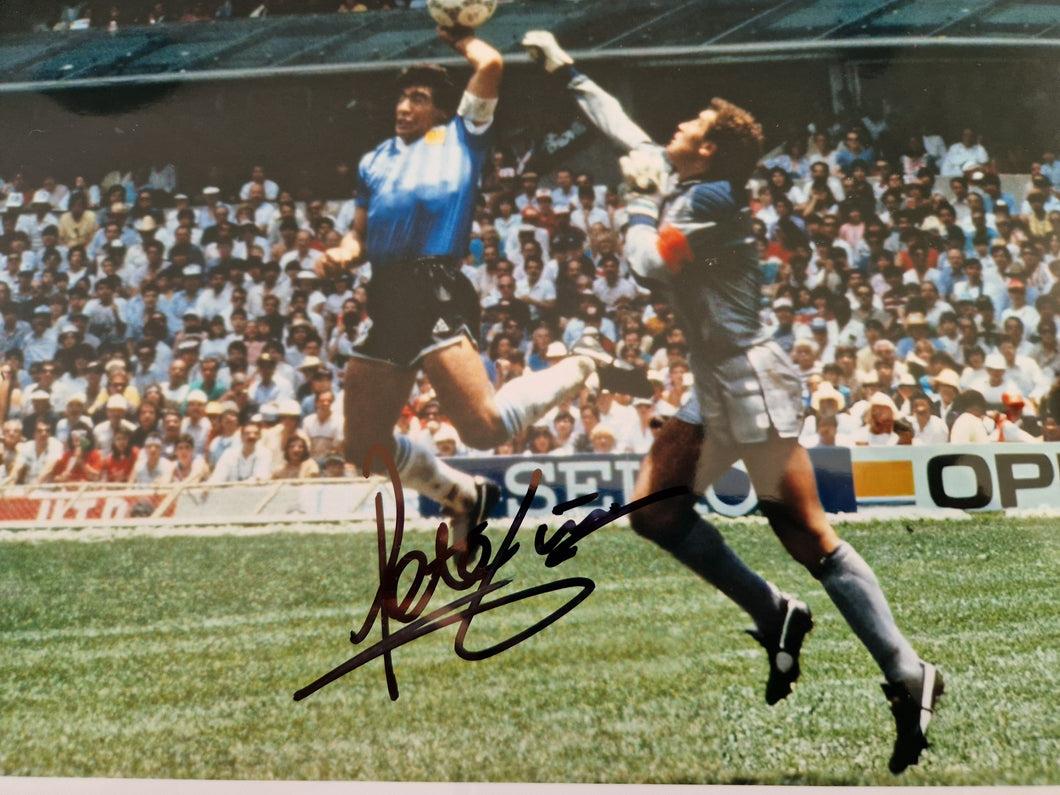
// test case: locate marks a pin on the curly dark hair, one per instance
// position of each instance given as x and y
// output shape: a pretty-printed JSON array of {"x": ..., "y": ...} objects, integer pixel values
[
  {"x": 444, "y": 93},
  {"x": 739, "y": 140}
]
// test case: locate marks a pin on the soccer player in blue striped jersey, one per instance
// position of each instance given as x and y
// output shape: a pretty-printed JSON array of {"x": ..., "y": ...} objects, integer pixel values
[{"x": 416, "y": 196}]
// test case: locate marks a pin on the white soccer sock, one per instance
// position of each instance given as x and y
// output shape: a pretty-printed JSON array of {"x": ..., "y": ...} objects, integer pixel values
[
  {"x": 854, "y": 589},
  {"x": 422, "y": 471},
  {"x": 525, "y": 400}
]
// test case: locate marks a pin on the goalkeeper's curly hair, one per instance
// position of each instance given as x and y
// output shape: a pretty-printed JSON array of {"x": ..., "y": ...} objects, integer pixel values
[{"x": 739, "y": 140}]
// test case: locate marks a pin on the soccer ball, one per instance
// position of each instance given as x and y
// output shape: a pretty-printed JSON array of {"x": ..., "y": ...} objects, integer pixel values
[{"x": 469, "y": 13}]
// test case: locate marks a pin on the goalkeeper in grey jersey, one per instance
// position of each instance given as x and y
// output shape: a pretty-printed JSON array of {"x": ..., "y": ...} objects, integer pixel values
[{"x": 690, "y": 231}]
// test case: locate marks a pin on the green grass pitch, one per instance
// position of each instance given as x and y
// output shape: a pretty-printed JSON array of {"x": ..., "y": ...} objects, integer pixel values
[{"x": 177, "y": 657}]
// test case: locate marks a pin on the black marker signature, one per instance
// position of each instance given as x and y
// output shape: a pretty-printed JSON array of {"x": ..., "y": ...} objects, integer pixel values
[{"x": 479, "y": 575}]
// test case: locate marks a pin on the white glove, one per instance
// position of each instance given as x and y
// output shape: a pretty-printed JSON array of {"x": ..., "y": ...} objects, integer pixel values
[
  {"x": 645, "y": 170},
  {"x": 541, "y": 46}
]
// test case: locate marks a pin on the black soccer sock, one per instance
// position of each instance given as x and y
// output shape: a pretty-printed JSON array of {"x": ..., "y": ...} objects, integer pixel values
[
  {"x": 704, "y": 551},
  {"x": 854, "y": 589}
]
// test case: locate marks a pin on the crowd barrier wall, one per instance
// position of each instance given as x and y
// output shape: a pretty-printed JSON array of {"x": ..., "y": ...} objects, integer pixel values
[{"x": 966, "y": 477}]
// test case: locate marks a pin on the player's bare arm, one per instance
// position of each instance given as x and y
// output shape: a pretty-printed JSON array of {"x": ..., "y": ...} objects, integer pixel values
[
  {"x": 486, "y": 62},
  {"x": 348, "y": 254}
]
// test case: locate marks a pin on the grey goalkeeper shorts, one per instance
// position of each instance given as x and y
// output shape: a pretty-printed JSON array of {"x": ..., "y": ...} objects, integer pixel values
[{"x": 746, "y": 398}]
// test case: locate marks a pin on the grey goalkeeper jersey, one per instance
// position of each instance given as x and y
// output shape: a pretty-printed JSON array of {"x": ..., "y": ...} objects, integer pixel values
[{"x": 701, "y": 248}]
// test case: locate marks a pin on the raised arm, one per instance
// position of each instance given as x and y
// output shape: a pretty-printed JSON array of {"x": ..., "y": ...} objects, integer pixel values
[
  {"x": 602, "y": 109},
  {"x": 487, "y": 64}
]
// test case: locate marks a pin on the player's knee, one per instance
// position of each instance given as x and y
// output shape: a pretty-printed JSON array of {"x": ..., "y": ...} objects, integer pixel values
[
  {"x": 482, "y": 431},
  {"x": 481, "y": 438}
]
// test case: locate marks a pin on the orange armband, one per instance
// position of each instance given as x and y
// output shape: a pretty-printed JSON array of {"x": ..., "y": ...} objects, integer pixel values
[{"x": 673, "y": 248}]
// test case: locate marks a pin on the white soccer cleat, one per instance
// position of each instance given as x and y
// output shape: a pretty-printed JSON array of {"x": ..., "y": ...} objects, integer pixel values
[{"x": 543, "y": 48}]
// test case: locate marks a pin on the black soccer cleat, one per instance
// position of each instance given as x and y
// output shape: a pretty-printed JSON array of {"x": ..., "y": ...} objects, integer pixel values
[
  {"x": 784, "y": 647},
  {"x": 467, "y": 527},
  {"x": 913, "y": 708},
  {"x": 614, "y": 374}
]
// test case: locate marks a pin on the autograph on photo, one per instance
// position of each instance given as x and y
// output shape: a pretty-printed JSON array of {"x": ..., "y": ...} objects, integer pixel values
[{"x": 474, "y": 574}]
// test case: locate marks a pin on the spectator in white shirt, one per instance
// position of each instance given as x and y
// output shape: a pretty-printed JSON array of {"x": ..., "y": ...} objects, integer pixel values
[
  {"x": 927, "y": 428},
  {"x": 245, "y": 463}
]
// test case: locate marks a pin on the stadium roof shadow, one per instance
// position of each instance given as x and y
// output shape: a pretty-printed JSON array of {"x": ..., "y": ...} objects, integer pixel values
[{"x": 687, "y": 31}]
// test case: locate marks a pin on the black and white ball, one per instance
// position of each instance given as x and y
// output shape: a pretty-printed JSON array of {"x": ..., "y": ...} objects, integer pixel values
[{"x": 469, "y": 13}]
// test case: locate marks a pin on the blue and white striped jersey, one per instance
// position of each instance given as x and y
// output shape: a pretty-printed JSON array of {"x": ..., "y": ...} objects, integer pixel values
[{"x": 420, "y": 197}]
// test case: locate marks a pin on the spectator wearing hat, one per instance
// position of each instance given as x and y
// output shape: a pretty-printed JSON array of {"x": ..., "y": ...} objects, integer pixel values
[
  {"x": 196, "y": 425},
  {"x": 135, "y": 265},
  {"x": 228, "y": 434},
  {"x": 826, "y": 402},
  {"x": 38, "y": 409},
  {"x": 878, "y": 430},
  {"x": 994, "y": 384},
  {"x": 185, "y": 300},
  {"x": 603, "y": 440},
  {"x": 784, "y": 330},
  {"x": 946, "y": 387},
  {"x": 40, "y": 216},
  {"x": 916, "y": 329},
  {"x": 805, "y": 355},
  {"x": 1016, "y": 422},
  {"x": 117, "y": 408},
  {"x": 274, "y": 439},
  {"x": 1018, "y": 306},
  {"x": 74, "y": 418},
  {"x": 212, "y": 204}
]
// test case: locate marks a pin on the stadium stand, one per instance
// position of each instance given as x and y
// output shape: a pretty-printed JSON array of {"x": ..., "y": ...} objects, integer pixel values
[{"x": 895, "y": 225}]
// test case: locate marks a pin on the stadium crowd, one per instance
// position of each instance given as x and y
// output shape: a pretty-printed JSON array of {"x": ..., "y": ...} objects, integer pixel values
[{"x": 152, "y": 336}]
